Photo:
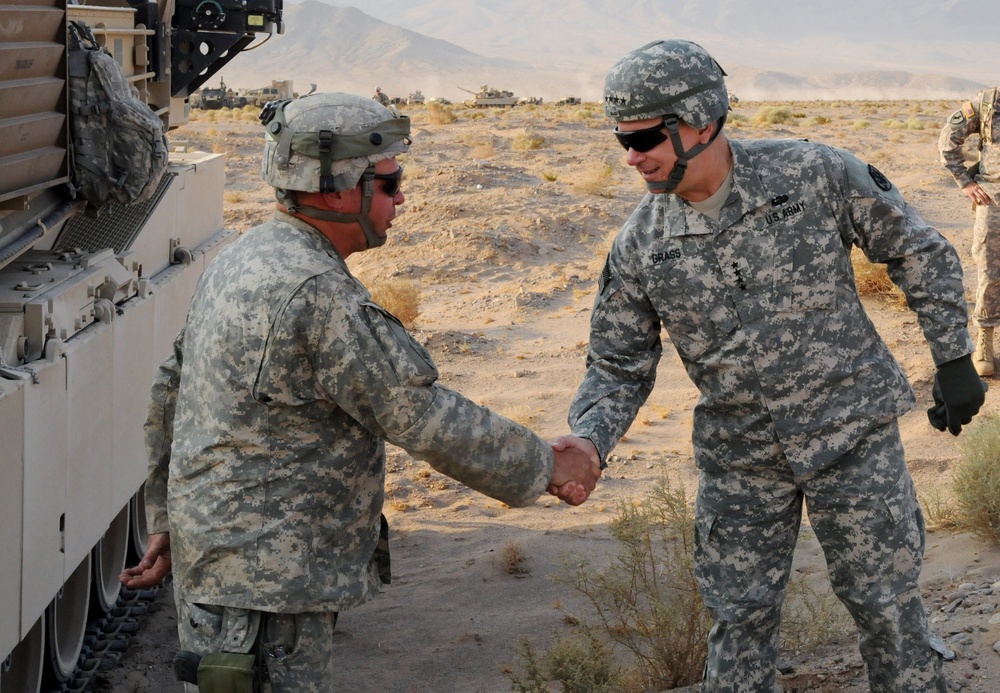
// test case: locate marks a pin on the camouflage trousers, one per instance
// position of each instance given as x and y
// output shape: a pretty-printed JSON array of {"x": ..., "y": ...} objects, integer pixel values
[
  {"x": 296, "y": 650},
  {"x": 864, "y": 511},
  {"x": 986, "y": 253}
]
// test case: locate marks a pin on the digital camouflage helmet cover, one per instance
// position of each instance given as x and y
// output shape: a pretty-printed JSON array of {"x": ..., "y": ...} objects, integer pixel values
[
  {"x": 673, "y": 79},
  {"x": 330, "y": 143}
]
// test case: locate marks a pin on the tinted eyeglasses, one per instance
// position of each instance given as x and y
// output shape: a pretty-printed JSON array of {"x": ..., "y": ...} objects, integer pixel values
[
  {"x": 393, "y": 181},
  {"x": 642, "y": 140}
]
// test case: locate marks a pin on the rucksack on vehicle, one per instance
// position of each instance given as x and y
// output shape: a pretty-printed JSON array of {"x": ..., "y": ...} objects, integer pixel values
[{"x": 118, "y": 152}]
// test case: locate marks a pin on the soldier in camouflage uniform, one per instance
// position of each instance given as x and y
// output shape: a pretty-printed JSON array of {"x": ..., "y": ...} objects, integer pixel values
[
  {"x": 267, "y": 426},
  {"x": 741, "y": 251},
  {"x": 380, "y": 97},
  {"x": 981, "y": 184}
]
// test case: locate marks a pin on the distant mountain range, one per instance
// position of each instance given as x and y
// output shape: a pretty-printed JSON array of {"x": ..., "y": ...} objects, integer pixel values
[{"x": 771, "y": 49}]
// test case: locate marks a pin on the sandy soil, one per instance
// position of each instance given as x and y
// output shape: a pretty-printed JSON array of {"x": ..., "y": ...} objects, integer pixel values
[{"x": 504, "y": 243}]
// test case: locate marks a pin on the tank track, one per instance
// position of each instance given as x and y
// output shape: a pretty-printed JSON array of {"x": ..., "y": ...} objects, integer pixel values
[{"x": 107, "y": 638}]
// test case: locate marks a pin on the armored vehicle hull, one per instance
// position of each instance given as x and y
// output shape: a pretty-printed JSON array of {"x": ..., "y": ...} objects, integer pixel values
[{"x": 89, "y": 306}]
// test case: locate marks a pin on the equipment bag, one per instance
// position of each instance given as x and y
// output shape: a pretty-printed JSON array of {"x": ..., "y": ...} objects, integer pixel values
[{"x": 118, "y": 152}]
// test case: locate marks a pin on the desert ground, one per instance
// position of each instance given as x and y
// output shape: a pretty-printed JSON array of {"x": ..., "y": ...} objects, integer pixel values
[{"x": 508, "y": 216}]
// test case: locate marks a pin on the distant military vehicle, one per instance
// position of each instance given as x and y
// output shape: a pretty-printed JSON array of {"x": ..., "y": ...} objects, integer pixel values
[
  {"x": 530, "y": 100},
  {"x": 279, "y": 89},
  {"x": 568, "y": 101},
  {"x": 733, "y": 100},
  {"x": 222, "y": 97},
  {"x": 488, "y": 97},
  {"x": 415, "y": 98}
]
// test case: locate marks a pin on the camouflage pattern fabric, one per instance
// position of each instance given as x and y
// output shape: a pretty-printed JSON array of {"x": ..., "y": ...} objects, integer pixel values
[
  {"x": 675, "y": 77},
  {"x": 762, "y": 308},
  {"x": 287, "y": 382},
  {"x": 295, "y": 652},
  {"x": 864, "y": 510},
  {"x": 118, "y": 149},
  {"x": 986, "y": 255},
  {"x": 965, "y": 122}
]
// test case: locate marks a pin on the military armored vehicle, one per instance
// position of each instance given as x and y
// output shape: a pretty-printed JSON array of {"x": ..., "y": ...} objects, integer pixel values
[
  {"x": 279, "y": 89},
  {"x": 415, "y": 99},
  {"x": 488, "y": 97},
  {"x": 89, "y": 306},
  {"x": 214, "y": 98},
  {"x": 568, "y": 101}
]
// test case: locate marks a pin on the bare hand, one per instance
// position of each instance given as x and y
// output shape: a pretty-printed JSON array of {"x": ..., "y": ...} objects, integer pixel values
[
  {"x": 575, "y": 471},
  {"x": 975, "y": 192},
  {"x": 153, "y": 567}
]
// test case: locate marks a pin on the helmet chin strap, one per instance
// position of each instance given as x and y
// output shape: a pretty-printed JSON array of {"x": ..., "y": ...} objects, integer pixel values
[
  {"x": 287, "y": 198},
  {"x": 672, "y": 123}
]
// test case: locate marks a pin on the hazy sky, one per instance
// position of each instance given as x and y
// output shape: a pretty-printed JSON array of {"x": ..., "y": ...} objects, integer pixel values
[{"x": 940, "y": 36}]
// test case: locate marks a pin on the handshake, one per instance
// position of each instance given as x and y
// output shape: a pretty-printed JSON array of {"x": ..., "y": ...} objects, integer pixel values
[{"x": 575, "y": 471}]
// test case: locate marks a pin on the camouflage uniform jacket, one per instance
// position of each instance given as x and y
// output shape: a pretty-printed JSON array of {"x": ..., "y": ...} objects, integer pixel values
[
  {"x": 980, "y": 117},
  {"x": 763, "y": 309},
  {"x": 266, "y": 429}
]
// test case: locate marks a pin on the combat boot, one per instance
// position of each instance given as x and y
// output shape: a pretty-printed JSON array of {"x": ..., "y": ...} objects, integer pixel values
[{"x": 983, "y": 358}]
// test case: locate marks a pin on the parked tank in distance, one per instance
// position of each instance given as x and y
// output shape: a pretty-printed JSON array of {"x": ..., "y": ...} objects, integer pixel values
[
  {"x": 415, "y": 98},
  {"x": 90, "y": 303},
  {"x": 488, "y": 97}
]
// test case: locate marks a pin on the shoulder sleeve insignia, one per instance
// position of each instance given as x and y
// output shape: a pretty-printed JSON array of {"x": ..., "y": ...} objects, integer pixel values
[
  {"x": 880, "y": 180},
  {"x": 958, "y": 118},
  {"x": 968, "y": 110},
  {"x": 605, "y": 278}
]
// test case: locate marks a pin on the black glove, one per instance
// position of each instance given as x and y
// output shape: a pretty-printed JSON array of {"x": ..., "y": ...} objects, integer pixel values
[{"x": 958, "y": 392}]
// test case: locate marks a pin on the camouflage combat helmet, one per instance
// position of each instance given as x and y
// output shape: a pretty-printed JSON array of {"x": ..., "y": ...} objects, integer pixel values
[
  {"x": 667, "y": 77},
  {"x": 675, "y": 80},
  {"x": 329, "y": 143}
]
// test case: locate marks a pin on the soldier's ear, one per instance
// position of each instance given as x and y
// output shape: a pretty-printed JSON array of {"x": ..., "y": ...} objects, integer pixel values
[{"x": 340, "y": 201}]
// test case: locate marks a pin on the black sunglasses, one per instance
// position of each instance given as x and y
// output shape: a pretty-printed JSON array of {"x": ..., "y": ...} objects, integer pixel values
[
  {"x": 392, "y": 181},
  {"x": 642, "y": 140}
]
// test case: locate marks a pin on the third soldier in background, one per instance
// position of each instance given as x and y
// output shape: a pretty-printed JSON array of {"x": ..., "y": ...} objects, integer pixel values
[
  {"x": 980, "y": 182},
  {"x": 742, "y": 252}
]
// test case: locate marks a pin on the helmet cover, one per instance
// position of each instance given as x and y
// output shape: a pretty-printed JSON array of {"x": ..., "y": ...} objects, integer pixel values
[
  {"x": 352, "y": 132},
  {"x": 667, "y": 77}
]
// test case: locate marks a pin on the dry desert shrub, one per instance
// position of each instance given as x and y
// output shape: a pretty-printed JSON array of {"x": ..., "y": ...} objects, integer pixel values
[
  {"x": 976, "y": 480},
  {"x": 774, "y": 115},
  {"x": 646, "y": 601},
  {"x": 400, "y": 297},
  {"x": 594, "y": 177},
  {"x": 939, "y": 509},
  {"x": 873, "y": 280},
  {"x": 483, "y": 149},
  {"x": 513, "y": 559},
  {"x": 439, "y": 114},
  {"x": 581, "y": 664},
  {"x": 817, "y": 120},
  {"x": 812, "y": 617},
  {"x": 527, "y": 141}
]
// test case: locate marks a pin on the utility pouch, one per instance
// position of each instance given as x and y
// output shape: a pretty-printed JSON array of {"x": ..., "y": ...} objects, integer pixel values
[{"x": 226, "y": 672}]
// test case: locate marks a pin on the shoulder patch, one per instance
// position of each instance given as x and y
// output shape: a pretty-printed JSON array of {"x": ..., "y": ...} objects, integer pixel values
[
  {"x": 968, "y": 110},
  {"x": 958, "y": 118},
  {"x": 880, "y": 180}
]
